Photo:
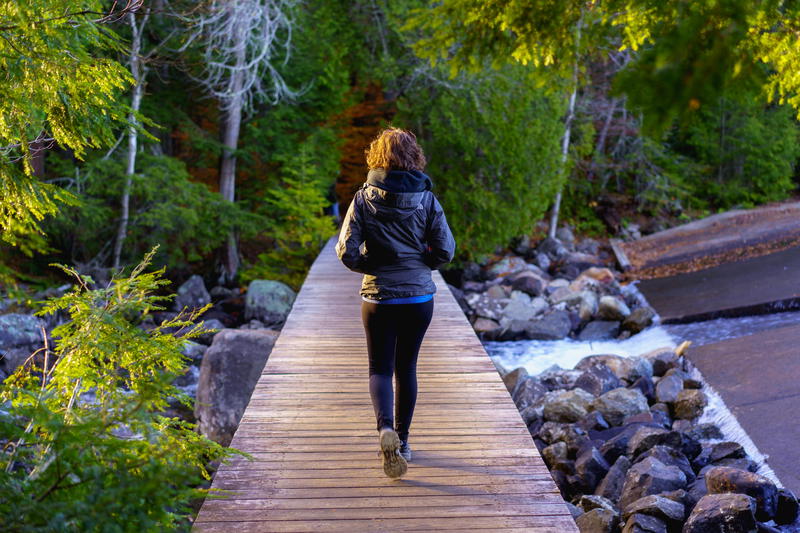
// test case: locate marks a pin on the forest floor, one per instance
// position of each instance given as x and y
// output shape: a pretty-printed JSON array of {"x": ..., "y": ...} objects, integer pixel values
[{"x": 714, "y": 240}]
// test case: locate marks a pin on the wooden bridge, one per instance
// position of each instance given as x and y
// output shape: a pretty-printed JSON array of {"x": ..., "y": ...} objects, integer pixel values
[{"x": 311, "y": 430}]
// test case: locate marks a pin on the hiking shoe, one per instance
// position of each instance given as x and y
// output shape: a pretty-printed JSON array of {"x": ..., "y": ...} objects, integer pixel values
[
  {"x": 405, "y": 450},
  {"x": 394, "y": 465}
]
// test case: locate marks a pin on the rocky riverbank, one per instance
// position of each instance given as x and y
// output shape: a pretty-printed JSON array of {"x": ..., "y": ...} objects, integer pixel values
[
  {"x": 223, "y": 365},
  {"x": 623, "y": 440},
  {"x": 557, "y": 289}
]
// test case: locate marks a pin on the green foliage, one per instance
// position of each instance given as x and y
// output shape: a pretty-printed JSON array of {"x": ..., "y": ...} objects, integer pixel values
[
  {"x": 748, "y": 153},
  {"x": 187, "y": 219},
  {"x": 493, "y": 149},
  {"x": 87, "y": 449},
  {"x": 54, "y": 87},
  {"x": 297, "y": 224}
]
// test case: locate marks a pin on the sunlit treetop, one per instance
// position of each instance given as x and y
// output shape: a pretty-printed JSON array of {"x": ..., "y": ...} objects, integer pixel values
[
  {"x": 56, "y": 86},
  {"x": 685, "y": 53}
]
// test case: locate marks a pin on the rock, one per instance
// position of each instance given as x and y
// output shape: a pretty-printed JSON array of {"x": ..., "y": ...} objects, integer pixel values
[
  {"x": 229, "y": 372},
  {"x": 690, "y": 403},
  {"x": 528, "y": 284},
  {"x": 552, "y": 247},
  {"x": 696, "y": 490},
  {"x": 552, "y": 432},
  {"x": 626, "y": 368},
  {"x": 647, "y": 437},
  {"x": 221, "y": 293},
  {"x": 598, "y": 330},
  {"x": 568, "y": 405},
  {"x": 587, "y": 502},
  {"x": 722, "y": 513},
  {"x": 192, "y": 294},
  {"x": 528, "y": 391},
  {"x": 554, "y": 453},
  {"x": 591, "y": 468},
  {"x": 668, "y": 388},
  {"x": 595, "y": 421},
  {"x": 611, "y": 485},
  {"x": 552, "y": 326},
  {"x": 518, "y": 309},
  {"x": 542, "y": 260},
  {"x": 639, "y": 319},
  {"x": 514, "y": 378},
  {"x": 485, "y": 326},
  {"x": 598, "y": 379},
  {"x": 597, "y": 521},
  {"x": 20, "y": 336},
  {"x": 658, "y": 506},
  {"x": 564, "y": 234},
  {"x": 642, "y": 523},
  {"x": 507, "y": 265},
  {"x": 269, "y": 301},
  {"x": 787, "y": 507},
  {"x": 650, "y": 476},
  {"x": 739, "y": 464},
  {"x": 645, "y": 385},
  {"x": 617, "y": 404},
  {"x": 588, "y": 306},
  {"x": 588, "y": 246},
  {"x": 670, "y": 457},
  {"x": 611, "y": 308},
  {"x": 722, "y": 479},
  {"x": 194, "y": 351},
  {"x": 724, "y": 450},
  {"x": 705, "y": 431},
  {"x": 662, "y": 360},
  {"x": 213, "y": 324}
]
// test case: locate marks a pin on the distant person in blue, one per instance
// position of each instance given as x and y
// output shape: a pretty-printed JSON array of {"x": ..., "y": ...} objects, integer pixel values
[{"x": 395, "y": 233}]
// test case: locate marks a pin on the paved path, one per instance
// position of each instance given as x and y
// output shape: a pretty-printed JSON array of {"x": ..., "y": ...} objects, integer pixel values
[
  {"x": 758, "y": 376},
  {"x": 732, "y": 289},
  {"x": 310, "y": 428}
]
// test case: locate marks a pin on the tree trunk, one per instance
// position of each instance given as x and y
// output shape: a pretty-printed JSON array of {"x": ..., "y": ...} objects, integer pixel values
[
  {"x": 138, "y": 73},
  {"x": 227, "y": 173},
  {"x": 567, "y": 130}
]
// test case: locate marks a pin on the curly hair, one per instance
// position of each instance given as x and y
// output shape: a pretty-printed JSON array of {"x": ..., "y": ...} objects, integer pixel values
[{"x": 395, "y": 149}]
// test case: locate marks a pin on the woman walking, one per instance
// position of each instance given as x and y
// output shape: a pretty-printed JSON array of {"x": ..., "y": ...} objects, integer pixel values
[{"x": 395, "y": 233}]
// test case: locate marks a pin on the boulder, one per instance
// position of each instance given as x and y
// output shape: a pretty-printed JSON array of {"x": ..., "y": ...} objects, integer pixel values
[
  {"x": 598, "y": 330},
  {"x": 554, "y": 453},
  {"x": 507, "y": 265},
  {"x": 655, "y": 505},
  {"x": 611, "y": 308},
  {"x": 722, "y": 479},
  {"x": 588, "y": 306},
  {"x": 597, "y": 521},
  {"x": 552, "y": 326},
  {"x": 20, "y": 336},
  {"x": 229, "y": 372},
  {"x": 587, "y": 502},
  {"x": 514, "y": 378},
  {"x": 497, "y": 292},
  {"x": 627, "y": 368},
  {"x": 662, "y": 359},
  {"x": 568, "y": 405},
  {"x": 194, "y": 351},
  {"x": 553, "y": 248},
  {"x": 565, "y": 235},
  {"x": 667, "y": 389},
  {"x": 591, "y": 468},
  {"x": 485, "y": 326},
  {"x": 645, "y": 385},
  {"x": 689, "y": 404},
  {"x": 639, "y": 319},
  {"x": 542, "y": 261},
  {"x": 722, "y": 513},
  {"x": 593, "y": 421},
  {"x": 647, "y": 437},
  {"x": 647, "y": 477},
  {"x": 530, "y": 285},
  {"x": 192, "y": 294},
  {"x": 529, "y": 390},
  {"x": 644, "y": 523},
  {"x": 787, "y": 507},
  {"x": 611, "y": 485},
  {"x": 617, "y": 404},
  {"x": 268, "y": 301},
  {"x": 213, "y": 324},
  {"x": 598, "y": 379},
  {"x": 670, "y": 457},
  {"x": 518, "y": 309},
  {"x": 705, "y": 431},
  {"x": 485, "y": 307}
]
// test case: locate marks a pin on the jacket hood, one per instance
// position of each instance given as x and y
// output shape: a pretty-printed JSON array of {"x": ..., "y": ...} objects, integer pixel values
[{"x": 396, "y": 194}]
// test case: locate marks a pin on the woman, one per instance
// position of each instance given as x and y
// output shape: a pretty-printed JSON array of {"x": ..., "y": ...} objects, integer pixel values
[{"x": 395, "y": 233}]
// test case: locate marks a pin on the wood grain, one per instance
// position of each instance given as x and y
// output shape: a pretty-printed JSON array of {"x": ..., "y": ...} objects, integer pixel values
[{"x": 310, "y": 429}]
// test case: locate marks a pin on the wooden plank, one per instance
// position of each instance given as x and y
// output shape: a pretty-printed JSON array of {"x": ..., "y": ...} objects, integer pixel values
[{"x": 310, "y": 430}]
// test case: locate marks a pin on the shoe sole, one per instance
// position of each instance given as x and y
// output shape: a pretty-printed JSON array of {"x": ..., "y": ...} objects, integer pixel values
[{"x": 394, "y": 465}]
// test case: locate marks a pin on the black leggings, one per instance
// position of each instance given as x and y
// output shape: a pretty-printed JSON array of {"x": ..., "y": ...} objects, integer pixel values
[{"x": 394, "y": 335}]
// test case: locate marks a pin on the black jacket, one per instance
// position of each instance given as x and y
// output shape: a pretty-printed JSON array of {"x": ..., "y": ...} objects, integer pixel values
[{"x": 395, "y": 233}]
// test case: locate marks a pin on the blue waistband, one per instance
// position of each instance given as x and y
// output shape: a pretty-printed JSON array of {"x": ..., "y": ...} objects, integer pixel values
[{"x": 407, "y": 300}]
